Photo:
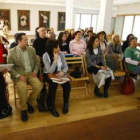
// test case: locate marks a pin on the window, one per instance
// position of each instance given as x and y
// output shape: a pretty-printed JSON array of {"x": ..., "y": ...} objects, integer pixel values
[
  {"x": 94, "y": 22},
  {"x": 77, "y": 21},
  {"x": 136, "y": 29},
  {"x": 85, "y": 21},
  {"x": 127, "y": 26}
]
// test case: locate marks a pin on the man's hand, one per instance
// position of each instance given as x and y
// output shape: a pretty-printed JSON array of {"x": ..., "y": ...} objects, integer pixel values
[
  {"x": 22, "y": 78},
  {"x": 33, "y": 74}
]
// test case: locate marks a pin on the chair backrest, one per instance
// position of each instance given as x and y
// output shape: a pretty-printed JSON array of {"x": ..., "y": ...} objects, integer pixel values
[
  {"x": 119, "y": 58},
  {"x": 78, "y": 60},
  {"x": 126, "y": 69}
]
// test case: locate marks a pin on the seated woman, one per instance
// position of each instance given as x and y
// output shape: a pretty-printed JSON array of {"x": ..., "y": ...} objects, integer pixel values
[
  {"x": 103, "y": 41},
  {"x": 3, "y": 51},
  {"x": 77, "y": 46},
  {"x": 5, "y": 108},
  {"x": 62, "y": 43},
  {"x": 55, "y": 63},
  {"x": 114, "y": 52},
  {"x": 126, "y": 42},
  {"x": 132, "y": 56},
  {"x": 95, "y": 65}
]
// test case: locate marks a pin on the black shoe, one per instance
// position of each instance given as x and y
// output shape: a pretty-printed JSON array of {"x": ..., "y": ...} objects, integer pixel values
[
  {"x": 65, "y": 108},
  {"x": 105, "y": 95},
  {"x": 24, "y": 116},
  {"x": 54, "y": 112},
  {"x": 97, "y": 92},
  {"x": 30, "y": 108}
]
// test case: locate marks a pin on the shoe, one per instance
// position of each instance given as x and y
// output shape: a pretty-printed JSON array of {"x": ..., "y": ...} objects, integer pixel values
[
  {"x": 97, "y": 92},
  {"x": 30, "y": 109},
  {"x": 105, "y": 95},
  {"x": 54, "y": 112},
  {"x": 65, "y": 108},
  {"x": 24, "y": 116}
]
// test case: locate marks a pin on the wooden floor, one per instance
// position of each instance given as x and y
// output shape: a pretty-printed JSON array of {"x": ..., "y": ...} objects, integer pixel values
[{"x": 81, "y": 107}]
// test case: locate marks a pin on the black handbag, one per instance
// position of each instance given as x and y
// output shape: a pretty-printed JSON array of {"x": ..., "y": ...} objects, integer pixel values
[
  {"x": 6, "y": 111},
  {"x": 77, "y": 72},
  {"x": 43, "y": 101}
]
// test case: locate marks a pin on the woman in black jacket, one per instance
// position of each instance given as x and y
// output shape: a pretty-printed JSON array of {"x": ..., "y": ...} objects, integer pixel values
[
  {"x": 62, "y": 43},
  {"x": 126, "y": 42}
]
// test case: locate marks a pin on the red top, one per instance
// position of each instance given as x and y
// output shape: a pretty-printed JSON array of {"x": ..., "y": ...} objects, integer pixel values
[{"x": 2, "y": 51}]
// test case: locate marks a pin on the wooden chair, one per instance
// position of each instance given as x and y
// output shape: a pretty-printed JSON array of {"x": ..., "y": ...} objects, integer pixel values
[
  {"x": 120, "y": 72},
  {"x": 84, "y": 78},
  {"x": 132, "y": 74}
]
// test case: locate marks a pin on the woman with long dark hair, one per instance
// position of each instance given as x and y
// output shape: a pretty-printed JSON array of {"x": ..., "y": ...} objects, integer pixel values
[
  {"x": 55, "y": 63},
  {"x": 126, "y": 43},
  {"x": 95, "y": 64},
  {"x": 62, "y": 43}
]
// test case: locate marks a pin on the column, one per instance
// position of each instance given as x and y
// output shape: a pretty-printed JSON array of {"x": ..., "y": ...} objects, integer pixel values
[
  {"x": 105, "y": 14},
  {"x": 69, "y": 14}
]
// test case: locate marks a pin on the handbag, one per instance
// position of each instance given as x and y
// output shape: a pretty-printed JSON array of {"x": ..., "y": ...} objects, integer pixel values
[
  {"x": 127, "y": 86},
  {"x": 77, "y": 72},
  {"x": 43, "y": 101}
]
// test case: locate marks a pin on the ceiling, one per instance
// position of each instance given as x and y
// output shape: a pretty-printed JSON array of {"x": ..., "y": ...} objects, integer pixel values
[{"x": 88, "y": 4}]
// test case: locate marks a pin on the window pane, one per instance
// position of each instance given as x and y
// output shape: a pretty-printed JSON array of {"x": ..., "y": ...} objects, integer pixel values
[
  {"x": 85, "y": 21},
  {"x": 112, "y": 27},
  {"x": 136, "y": 28},
  {"x": 119, "y": 25},
  {"x": 77, "y": 21},
  {"x": 94, "y": 23},
  {"x": 127, "y": 27}
]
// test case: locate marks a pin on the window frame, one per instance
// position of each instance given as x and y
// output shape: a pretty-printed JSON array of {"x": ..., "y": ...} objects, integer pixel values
[
  {"x": 90, "y": 21},
  {"x": 124, "y": 15}
]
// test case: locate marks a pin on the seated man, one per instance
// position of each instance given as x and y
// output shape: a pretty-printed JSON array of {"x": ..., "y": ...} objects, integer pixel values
[
  {"x": 132, "y": 56},
  {"x": 24, "y": 71}
]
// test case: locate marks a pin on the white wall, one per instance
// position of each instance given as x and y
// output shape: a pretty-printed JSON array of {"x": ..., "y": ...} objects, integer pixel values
[
  {"x": 34, "y": 15},
  {"x": 128, "y": 9}
]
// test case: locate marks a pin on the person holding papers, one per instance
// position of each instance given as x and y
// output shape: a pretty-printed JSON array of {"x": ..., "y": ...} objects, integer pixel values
[
  {"x": 55, "y": 63},
  {"x": 102, "y": 75}
]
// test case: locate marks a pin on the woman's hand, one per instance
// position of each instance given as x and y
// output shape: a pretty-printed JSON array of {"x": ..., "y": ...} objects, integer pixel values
[
  {"x": 103, "y": 67},
  {"x": 61, "y": 73},
  {"x": 55, "y": 57},
  {"x": 4, "y": 71}
]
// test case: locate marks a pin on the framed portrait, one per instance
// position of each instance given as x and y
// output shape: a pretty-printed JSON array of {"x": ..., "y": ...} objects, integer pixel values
[
  {"x": 23, "y": 20},
  {"x": 61, "y": 21},
  {"x": 5, "y": 16},
  {"x": 44, "y": 19}
]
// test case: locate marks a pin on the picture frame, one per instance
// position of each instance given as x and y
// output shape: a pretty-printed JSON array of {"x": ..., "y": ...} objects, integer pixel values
[
  {"x": 23, "y": 20},
  {"x": 61, "y": 21},
  {"x": 44, "y": 19},
  {"x": 5, "y": 15}
]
